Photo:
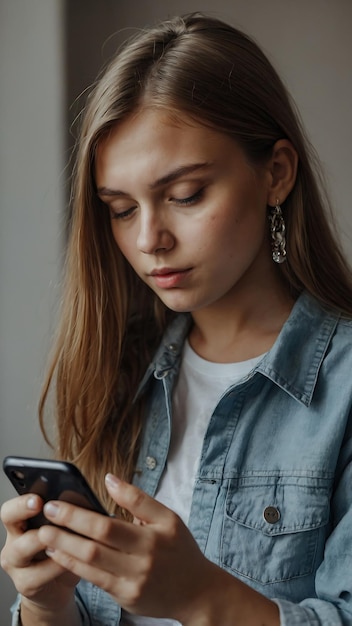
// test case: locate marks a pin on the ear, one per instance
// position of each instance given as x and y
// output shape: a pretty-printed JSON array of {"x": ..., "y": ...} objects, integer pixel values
[{"x": 283, "y": 171}]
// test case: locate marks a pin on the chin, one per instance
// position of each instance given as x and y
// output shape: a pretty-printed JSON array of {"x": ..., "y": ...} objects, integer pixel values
[
  {"x": 177, "y": 305},
  {"x": 178, "y": 309}
]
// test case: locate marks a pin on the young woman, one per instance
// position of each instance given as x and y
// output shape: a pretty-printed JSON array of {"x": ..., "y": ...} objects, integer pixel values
[{"x": 204, "y": 357}]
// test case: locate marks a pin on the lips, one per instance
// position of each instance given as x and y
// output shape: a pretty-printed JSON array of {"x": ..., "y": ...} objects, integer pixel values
[
  {"x": 169, "y": 277},
  {"x": 167, "y": 270}
]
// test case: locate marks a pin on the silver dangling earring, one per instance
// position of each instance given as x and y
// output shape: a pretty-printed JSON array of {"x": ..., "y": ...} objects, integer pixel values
[{"x": 277, "y": 231}]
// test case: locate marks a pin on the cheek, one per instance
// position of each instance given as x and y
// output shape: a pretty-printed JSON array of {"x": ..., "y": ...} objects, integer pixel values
[
  {"x": 220, "y": 229},
  {"x": 124, "y": 242},
  {"x": 236, "y": 232}
]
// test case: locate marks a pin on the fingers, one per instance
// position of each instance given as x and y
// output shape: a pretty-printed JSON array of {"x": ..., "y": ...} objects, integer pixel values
[
  {"x": 103, "y": 530},
  {"x": 105, "y": 567},
  {"x": 109, "y": 531},
  {"x": 15, "y": 512},
  {"x": 99, "y": 576},
  {"x": 23, "y": 550},
  {"x": 124, "y": 575},
  {"x": 135, "y": 563},
  {"x": 81, "y": 552},
  {"x": 35, "y": 577},
  {"x": 29, "y": 575},
  {"x": 20, "y": 554},
  {"x": 105, "y": 544},
  {"x": 81, "y": 521},
  {"x": 143, "y": 507}
]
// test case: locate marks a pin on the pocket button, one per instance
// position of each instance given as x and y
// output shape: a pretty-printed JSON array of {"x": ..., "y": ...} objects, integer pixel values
[{"x": 271, "y": 514}]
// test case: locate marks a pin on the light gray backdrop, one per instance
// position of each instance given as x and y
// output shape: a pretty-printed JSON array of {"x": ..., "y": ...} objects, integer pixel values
[{"x": 50, "y": 50}]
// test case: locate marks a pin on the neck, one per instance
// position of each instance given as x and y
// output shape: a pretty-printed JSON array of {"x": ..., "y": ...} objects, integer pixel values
[{"x": 242, "y": 328}]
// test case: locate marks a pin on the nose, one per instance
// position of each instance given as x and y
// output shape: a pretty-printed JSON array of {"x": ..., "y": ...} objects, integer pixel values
[{"x": 154, "y": 234}]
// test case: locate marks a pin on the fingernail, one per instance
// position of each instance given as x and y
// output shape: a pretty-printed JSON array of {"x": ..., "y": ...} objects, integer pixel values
[
  {"x": 112, "y": 481},
  {"x": 32, "y": 503},
  {"x": 49, "y": 551},
  {"x": 51, "y": 509}
]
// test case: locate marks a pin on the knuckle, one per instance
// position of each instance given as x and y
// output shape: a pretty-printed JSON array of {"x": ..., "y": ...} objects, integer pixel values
[
  {"x": 46, "y": 534},
  {"x": 173, "y": 524},
  {"x": 91, "y": 551},
  {"x": 3, "y": 561},
  {"x": 146, "y": 568},
  {"x": 64, "y": 515},
  {"x": 5, "y": 513},
  {"x": 13, "y": 511},
  {"x": 154, "y": 542},
  {"x": 25, "y": 589},
  {"x": 107, "y": 582},
  {"x": 135, "y": 591},
  {"x": 104, "y": 528},
  {"x": 25, "y": 585},
  {"x": 68, "y": 562},
  {"x": 136, "y": 498},
  {"x": 172, "y": 527}
]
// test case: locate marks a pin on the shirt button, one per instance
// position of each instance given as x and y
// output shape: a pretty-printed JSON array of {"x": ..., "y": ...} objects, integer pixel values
[
  {"x": 271, "y": 514},
  {"x": 161, "y": 375},
  {"x": 172, "y": 347},
  {"x": 150, "y": 462}
]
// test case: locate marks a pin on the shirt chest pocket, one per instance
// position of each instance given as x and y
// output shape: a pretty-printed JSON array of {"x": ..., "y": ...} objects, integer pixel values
[{"x": 273, "y": 531}]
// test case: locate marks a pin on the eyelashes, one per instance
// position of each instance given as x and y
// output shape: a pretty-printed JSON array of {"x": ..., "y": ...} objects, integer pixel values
[
  {"x": 190, "y": 200},
  {"x": 182, "y": 202},
  {"x": 122, "y": 214}
]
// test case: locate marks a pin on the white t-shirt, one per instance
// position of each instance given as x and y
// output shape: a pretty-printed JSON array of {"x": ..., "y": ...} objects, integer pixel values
[{"x": 198, "y": 390}]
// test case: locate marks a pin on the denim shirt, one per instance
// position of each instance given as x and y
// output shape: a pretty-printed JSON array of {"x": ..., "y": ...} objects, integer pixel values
[{"x": 272, "y": 501}]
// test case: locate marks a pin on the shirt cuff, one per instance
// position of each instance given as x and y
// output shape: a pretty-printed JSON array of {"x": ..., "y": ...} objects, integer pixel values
[
  {"x": 16, "y": 612},
  {"x": 324, "y": 613}
]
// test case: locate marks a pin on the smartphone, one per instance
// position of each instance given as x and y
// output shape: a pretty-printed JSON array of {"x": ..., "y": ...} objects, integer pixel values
[{"x": 51, "y": 480}]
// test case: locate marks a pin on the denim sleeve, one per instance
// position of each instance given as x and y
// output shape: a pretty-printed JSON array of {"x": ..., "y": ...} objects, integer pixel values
[
  {"x": 16, "y": 612},
  {"x": 333, "y": 583},
  {"x": 82, "y": 609}
]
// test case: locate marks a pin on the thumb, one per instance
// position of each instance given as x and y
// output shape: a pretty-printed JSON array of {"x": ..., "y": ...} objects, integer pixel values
[{"x": 137, "y": 502}]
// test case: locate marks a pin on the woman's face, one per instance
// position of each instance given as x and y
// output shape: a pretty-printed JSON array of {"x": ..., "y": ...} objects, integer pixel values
[{"x": 187, "y": 210}]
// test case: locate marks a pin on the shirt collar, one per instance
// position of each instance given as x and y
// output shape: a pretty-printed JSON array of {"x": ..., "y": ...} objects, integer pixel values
[
  {"x": 169, "y": 351},
  {"x": 292, "y": 363}
]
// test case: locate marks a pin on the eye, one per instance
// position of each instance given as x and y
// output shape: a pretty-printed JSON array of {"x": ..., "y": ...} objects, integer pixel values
[
  {"x": 190, "y": 199},
  {"x": 120, "y": 215}
]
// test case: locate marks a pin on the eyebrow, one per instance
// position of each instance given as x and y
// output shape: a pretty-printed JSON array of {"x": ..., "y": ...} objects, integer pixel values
[{"x": 183, "y": 170}]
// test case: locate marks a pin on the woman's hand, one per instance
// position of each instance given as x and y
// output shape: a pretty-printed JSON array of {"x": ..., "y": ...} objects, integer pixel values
[
  {"x": 43, "y": 584},
  {"x": 151, "y": 567}
]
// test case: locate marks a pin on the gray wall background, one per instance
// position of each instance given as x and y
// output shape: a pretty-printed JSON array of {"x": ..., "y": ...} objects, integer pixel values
[{"x": 50, "y": 51}]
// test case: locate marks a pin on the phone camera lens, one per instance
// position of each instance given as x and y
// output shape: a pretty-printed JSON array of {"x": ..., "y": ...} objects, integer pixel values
[{"x": 19, "y": 476}]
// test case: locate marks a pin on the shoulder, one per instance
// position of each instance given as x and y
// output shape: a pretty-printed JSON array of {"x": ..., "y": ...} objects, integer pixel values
[{"x": 312, "y": 312}]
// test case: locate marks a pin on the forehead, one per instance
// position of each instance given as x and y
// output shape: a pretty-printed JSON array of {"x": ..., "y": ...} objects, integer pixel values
[
  {"x": 151, "y": 141},
  {"x": 149, "y": 121}
]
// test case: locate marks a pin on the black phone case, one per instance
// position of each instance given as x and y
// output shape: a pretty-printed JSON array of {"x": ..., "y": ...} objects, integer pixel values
[{"x": 51, "y": 480}]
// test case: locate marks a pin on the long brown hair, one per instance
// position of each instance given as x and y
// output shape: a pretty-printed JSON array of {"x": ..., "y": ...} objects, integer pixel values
[{"x": 111, "y": 322}]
